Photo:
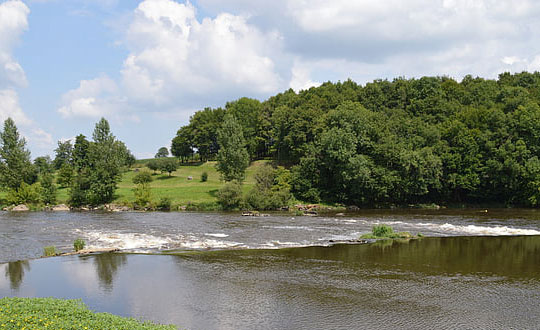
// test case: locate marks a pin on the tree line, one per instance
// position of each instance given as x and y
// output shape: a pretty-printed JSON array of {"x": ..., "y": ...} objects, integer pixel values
[
  {"x": 405, "y": 141},
  {"x": 90, "y": 169}
]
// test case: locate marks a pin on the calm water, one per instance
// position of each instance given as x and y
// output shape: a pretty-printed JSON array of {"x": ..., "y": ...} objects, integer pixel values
[{"x": 478, "y": 270}]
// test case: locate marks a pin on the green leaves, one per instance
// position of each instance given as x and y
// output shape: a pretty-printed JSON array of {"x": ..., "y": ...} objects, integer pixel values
[{"x": 233, "y": 158}]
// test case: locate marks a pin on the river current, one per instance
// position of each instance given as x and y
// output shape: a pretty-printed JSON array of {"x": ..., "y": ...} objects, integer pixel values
[{"x": 474, "y": 269}]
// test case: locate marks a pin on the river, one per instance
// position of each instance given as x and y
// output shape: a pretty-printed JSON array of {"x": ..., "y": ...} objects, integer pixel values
[{"x": 475, "y": 269}]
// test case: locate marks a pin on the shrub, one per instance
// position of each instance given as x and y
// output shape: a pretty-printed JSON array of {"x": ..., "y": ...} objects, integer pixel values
[
  {"x": 25, "y": 194},
  {"x": 49, "y": 251},
  {"x": 48, "y": 193},
  {"x": 382, "y": 231},
  {"x": 142, "y": 195},
  {"x": 164, "y": 204},
  {"x": 204, "y": 177},
  {"x": 78, "y": 244},
  {"x": 230, "y": 195},
  {"x": 142, "y": 178}
]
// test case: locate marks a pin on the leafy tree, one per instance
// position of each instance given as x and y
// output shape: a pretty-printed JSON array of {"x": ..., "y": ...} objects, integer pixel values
[
  {"x": 182, "y": 144},
  {"x": 43, "y": 165},
  {"x": 153, "y": 165},
  {"x": 168, "y": 165},
  {"x": 142, "y": 190},
  {"x": 272, "y": 188},
  {"x": 162, "y": 152},
  {"x": 63, "y": 154},
  {"x": 106, "y": 161},
  {"x": 233, "y": 158},
  {"x": 48, "y": 189},
  {"x": 65, "y": 175},
  {"x": 15, "y": 165},
  {"x": 230, "y": 195},
  {"x": 25, "y": 194}
]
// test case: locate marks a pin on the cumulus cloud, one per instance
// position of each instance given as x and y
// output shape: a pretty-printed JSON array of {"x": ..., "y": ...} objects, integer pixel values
[
  {"x": 92, "y": 99},
  {"x": 9, "y": 107}
]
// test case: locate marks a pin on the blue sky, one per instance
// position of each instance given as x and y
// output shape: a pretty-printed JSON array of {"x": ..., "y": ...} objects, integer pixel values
[{"x": 147, "y": 65}]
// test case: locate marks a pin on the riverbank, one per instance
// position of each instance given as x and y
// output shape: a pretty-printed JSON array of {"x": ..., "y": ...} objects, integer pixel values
[{"x": 49, "y": 313}]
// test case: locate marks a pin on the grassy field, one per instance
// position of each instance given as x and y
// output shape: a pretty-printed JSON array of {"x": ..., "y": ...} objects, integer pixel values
[
  {"x": 177, "y": 187},
  {"x": 49, "y": 313}
]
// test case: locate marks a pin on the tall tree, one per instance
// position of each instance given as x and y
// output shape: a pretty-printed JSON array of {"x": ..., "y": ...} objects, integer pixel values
[
  {"x": 15, "y": 165},
  {"x": 162, "y": 152},
  {"x": 63, "y": 154},
  {"x": 233, "y": 158},
  {"x": 182, "y": 144}
]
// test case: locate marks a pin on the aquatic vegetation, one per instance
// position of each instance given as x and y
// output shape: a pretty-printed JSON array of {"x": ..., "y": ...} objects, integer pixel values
[
  {"x": 78, "y": 244},
  {"x": 385, "y": 231},
  {"x": 49, "y": 251},
  {"x": 49, "y": 313}
]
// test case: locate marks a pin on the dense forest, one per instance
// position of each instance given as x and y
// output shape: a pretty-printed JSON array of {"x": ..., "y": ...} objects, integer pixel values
[{"x": 406, "y": 141}]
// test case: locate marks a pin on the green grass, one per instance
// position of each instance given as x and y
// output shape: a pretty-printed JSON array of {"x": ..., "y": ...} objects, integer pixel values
[
  {"x": 177, "y": 187},
  {"x": 387, "y": 232},
  {"x": 49, "y": 313}
]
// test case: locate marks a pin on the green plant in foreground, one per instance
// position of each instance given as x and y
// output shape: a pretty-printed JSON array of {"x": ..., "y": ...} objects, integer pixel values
[
  {"x": 49, "y": 251},
  {"x": 78, "y": 244},
  {"x": 49, "y": 313}
]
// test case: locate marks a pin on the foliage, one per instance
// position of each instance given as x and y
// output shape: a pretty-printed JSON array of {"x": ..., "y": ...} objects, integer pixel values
[
  {"x": 233, "y": 158},
  {"x": 49, "y": 251},
  {"x": 79, "y": 244},
  {"x": 168, "y": 165},
  {"x": 15, "y": 165},
  {"x": 63, "y": 154},
  {"x": 142, "y": 178},
  {"x": 230, "y": 195},
  {"x": 385, "y": 231},
  {"x": 182, "y": 144},
  {"x": 153, "y": 165},
  {"x": 272, "y": 188},
  {"x": 204, "y": 176},
  {"x": 43, "y": 165},
  {"x": 25, "y": 194},
  {"x": 48, "y": 189},
  {"x": 162, "y": 152},
  {"x": 65, "y": 175},
  {"x": 50, "y": 313},
  {"x": 164, "y": 204}
]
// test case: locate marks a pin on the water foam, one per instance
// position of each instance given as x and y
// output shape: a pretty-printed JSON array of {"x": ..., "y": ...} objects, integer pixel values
[
  {"x": 488, "y": 231},
  {"x": 218, "y": 235},
  {"x": 126, "y": 241}
]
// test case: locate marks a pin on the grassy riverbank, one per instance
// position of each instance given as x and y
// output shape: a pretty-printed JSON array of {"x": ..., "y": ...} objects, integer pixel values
[
  {"x": 49, "y": 313},
  {"x": 177, "y": 187}
]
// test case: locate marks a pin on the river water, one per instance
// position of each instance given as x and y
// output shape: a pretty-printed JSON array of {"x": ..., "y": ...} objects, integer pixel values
[{"x": 475, "y": 269}]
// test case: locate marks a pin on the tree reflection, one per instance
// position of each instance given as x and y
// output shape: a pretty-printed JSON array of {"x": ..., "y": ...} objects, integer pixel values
[
  {"x": 15, "y": 273},
  {"x": 107, "y": 265}
]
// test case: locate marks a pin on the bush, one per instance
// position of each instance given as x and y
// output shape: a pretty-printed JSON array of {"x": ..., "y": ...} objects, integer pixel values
[
  {"x": 142, "y": 195},
  {"x": 142, "y": 178},
  {"x": 49, "y": 251},
  {"x": 78, "y": 244},
  {"x": 230, "y": 196},
  {"x": 204, "y": 177},
  {"x": 164, "y": 204},
  {"x": 382, "y": 231},
  {"x": 48, "y": 193},
  {"x": 25, "y": 194}
]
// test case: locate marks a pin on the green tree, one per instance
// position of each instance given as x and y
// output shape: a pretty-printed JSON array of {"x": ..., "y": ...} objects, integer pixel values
[
  {"x": 182, "y": 144},
  {"x": 230, "y": 195},
  {"x": 43, "y": 165},
  {"x": 48, "y": 188},
  {"x": 233, "y": 158},
  {"x": 162, "y": 152},
  {"x": 15, "y": 165},
  {"x": 168, "y": 165},
  {"x": 153, "y": 165},
  {"x": 65, "y": 175},
  {"x": 105, "y": 163},
  {"x": 63, "y": 154},
  {"x": 142, "y": 190}
]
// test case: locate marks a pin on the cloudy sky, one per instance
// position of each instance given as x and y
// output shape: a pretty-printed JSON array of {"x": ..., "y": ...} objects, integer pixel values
[{"x": 147, "y": 65}]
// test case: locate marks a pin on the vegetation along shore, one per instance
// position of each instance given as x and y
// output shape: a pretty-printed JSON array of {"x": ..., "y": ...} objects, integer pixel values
[{"x": 428, "y": 141}]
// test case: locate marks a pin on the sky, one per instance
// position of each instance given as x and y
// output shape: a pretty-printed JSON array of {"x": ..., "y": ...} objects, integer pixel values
[{"x": 147, "y": 66}]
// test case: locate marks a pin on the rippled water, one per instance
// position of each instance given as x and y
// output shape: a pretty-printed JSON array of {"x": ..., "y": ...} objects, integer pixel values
[
  {"x": 478, "y": 270},
  {"x": 23, "y": 236}
]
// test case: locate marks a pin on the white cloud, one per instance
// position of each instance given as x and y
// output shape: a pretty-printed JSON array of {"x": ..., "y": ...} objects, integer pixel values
[
  {"x": 176, "y": 57},
  {"x": 301, "y": 77},
  {"x": 92, "y": 99},
  {"x": 13, "y": 22},
  {"x": 9, "y": 107}
]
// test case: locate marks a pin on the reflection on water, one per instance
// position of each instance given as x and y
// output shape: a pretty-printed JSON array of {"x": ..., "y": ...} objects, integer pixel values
[
  {"x": 432, "y": 283},
  {"x": 107, "y": 266},
  {"x": 15, "y": 273}
]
